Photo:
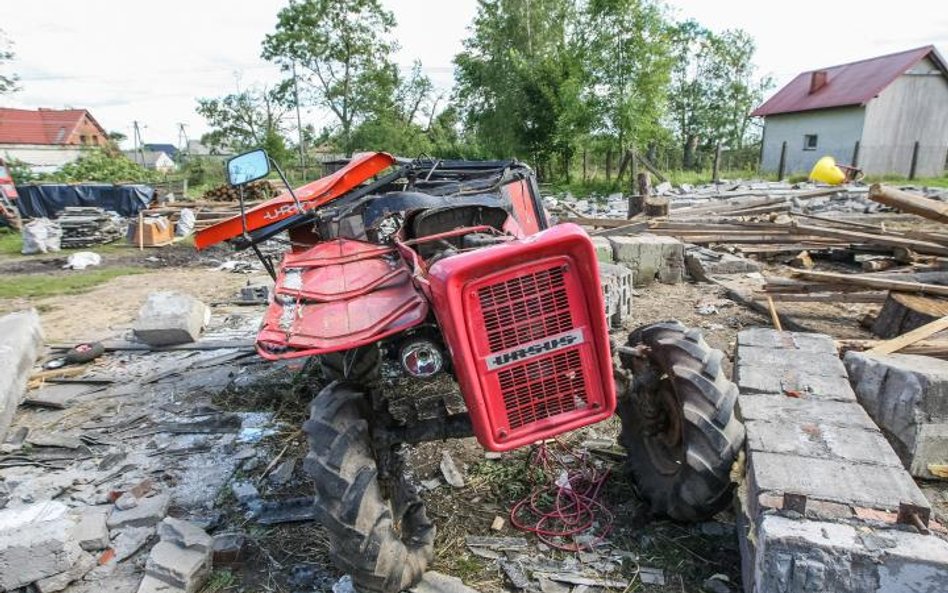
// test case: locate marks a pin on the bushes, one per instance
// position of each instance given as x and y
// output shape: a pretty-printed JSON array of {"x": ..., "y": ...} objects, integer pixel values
[{"x": 99, "y": 166}]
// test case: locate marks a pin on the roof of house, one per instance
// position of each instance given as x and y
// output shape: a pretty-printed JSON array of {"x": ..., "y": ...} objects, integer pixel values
[
  {"x": 41, "y": 126},
  {"x": 169, "y": 149},
  {"x": 148, "y": 158},
  {"x": 847, "y": 84}
]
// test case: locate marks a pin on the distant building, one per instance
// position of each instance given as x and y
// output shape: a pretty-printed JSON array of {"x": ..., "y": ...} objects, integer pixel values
[
  {"x": 880, "y": 114},
  {"x": 169, "y": 149},
  {"x": 152, "y": 159},
  {"x": 195, "y": 148},
  {"x": 47, "y": 139}
]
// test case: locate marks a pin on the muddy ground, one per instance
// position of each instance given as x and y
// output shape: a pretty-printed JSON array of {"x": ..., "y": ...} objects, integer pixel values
[{"x": 293, "y": 556}]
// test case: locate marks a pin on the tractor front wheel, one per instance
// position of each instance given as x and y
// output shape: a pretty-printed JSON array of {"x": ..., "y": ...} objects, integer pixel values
[
  {"x": 678, "y": 421},
  {"x": 384, "y": 542}
]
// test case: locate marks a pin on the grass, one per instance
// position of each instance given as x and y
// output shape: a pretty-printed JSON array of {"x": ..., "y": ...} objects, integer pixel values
[
  {"x": 896, "y": 180},
  {"x": 10, "y": 242},
  {"x": 45, "y": 285}
]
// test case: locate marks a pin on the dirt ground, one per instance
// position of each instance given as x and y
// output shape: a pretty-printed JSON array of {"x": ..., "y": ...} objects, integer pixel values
[{"x": 294, "y": 556}]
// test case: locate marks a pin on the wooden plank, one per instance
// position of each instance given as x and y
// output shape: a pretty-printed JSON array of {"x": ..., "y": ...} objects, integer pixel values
[
  {"x": 824, "y": 297},
  {"x": 873, "y": 239},
  {"x": 863, "y": 280},
  {"x": 916, "y": 335}
]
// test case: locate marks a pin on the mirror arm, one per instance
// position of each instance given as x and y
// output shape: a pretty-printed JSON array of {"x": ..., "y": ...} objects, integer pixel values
[{"x": 289, "y": 188}]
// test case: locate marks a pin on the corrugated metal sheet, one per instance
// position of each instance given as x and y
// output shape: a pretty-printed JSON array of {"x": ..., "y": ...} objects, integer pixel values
[
  {"x": 43, "y": 126},
  {"x": 848, "y": 84}
]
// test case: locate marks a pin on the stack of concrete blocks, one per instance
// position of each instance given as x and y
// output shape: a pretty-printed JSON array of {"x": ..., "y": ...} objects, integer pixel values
[
  {"x": 181, "y": 561},
  {"x": 617, "y": 288},
  {"x": 21, "y": 341},
  {"x": 907, "y": 396},
  {"x": 650, "y": 257},
  {"x": 826, "y": 504}
]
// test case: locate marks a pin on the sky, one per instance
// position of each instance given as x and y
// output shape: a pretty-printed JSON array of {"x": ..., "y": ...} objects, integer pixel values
[{"x": 148, "y": 61}]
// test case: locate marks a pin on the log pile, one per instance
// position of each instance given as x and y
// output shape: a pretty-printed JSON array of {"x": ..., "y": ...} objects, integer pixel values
[
  {"x": 253, "y": 192},
  {"x": 84, "y": 226}
]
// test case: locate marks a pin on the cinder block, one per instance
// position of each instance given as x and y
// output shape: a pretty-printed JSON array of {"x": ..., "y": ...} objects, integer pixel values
[
  {"x": 650, "y": 257},
  {"x": 185, "y": 568},
  {"x": 21, "y": 341},
  {"x": 35, "y": 543},
  {"x": 616, "y": 283},
  {"x": 907, "y": 396},
  {"x": 169, "y": 318},
  {"x": 603, "y": 249}
]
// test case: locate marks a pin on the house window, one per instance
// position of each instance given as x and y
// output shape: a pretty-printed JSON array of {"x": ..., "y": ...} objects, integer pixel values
[
  {"x": 82, "y": 139},
  {"x": 809, "y": 142},
  {"x": 95, "y": 140}
]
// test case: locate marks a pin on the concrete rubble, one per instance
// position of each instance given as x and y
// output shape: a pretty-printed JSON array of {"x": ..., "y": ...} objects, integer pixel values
[
  {"x": 650, "y": 257},
  {"x": 907, "y": 396},
  {"x": 825, "y": 502},
  {"x": 167, "y": 318},
  {"x": 21, "y": 341}
]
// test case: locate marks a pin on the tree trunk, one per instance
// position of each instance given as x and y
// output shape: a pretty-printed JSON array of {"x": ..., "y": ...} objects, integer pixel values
[
  {"x": 903, "y": 312},
  {"x": 609, "y": 165},
  {"x": 688, "y": 158}
]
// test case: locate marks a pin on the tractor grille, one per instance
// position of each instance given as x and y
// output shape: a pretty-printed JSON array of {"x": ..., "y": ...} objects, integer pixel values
[
  {"x": 525, "y": 308},
  {"x": 543, "y": 388}
]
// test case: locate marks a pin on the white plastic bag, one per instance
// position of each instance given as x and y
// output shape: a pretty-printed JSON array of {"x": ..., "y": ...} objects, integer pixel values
[
  {"x": 185, "y": 224},
  {"x": 41, "y": 235},
  {"x": 82, "y": 260}
]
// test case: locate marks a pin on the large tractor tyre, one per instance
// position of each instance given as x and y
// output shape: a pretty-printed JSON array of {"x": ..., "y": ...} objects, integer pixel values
[
  {"x": 384, "y": 544},
  {"x": 678, "y": 422},
  {"x": 360, "y": 365}
]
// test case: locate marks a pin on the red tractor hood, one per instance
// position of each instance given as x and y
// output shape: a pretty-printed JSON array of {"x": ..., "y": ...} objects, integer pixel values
[{"x": 311, "y": 196}]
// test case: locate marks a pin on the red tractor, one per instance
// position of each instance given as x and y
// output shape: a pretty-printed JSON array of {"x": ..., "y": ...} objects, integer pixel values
[
  {"x": 9, "y": 214},
  {"x": 451, "y": 267}
]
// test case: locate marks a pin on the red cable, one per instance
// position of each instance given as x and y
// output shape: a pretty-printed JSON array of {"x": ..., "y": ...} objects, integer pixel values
[{"x": 556, "y": 510}]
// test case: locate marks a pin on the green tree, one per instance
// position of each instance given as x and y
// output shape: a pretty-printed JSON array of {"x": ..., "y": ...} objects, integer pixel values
[
  {"x": 520, "y": 79},
  {"x": 7, "y": 81},
  {"x": 629, "y": 62},
  {"x": 341, "y": 49},
  {"x": 249, "y": 119},
  {"x": 714, "y": 88}
]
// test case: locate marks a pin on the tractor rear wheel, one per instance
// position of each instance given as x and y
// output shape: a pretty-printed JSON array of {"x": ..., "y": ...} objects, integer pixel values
[
  {"x": 385, "y": 544},
  {"x": 678, "y": 421},
  {"x": 360, "y": 365}
]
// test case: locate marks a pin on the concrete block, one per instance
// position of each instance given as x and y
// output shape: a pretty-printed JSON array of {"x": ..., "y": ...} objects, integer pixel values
[
  {"x": 150, "y": 584},
  {"x": 185, "y": 535},
  {"x": 58, "y": 582},
  {"x": 35, "y": 543},
  {"x": 180, "y": 567},
  {"x": 821, "y": 440},
  {"x": 650, "y": 257},
  {"x": 794, "y": 556},
  {"x": 791, "y": 410},
  {"x": 21, "y": 341},
  {"x": 907, "y": 396},
  {"x": 863, "y": 485},
  {"x": 603, "y": 249},
  {"x": 147, "y": 514},
  {"x": 701, "y": 263},
  {"x": 169, "y": 318},
  {"x": 617, "y": 289},
  {"x": 770, "y": 338},
  {"x": 91, "y": 532}
]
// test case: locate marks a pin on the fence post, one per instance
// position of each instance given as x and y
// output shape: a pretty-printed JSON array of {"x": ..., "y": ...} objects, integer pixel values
[
  {"x": 715, "y": 168},
  {"x": 914, "y": 160},
  {"x": 855, "y": 162},
  {"x": 782, "y": 167},
  {"x": 585, "y": 157}
]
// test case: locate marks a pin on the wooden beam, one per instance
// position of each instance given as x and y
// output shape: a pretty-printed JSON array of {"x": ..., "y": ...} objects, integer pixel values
[
  {"x": 873, "y": 239},
  {"x": 907, "y": 202},
  {"x": 916, "y": 335},
  {"x": 873, "y": 282}
]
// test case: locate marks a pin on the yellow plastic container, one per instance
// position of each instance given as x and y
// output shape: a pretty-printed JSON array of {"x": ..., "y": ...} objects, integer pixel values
[{"x": 826, "y": 171}]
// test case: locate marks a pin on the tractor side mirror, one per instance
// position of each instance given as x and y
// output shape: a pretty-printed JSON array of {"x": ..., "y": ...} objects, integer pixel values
[{"x": 247, "y": 167}]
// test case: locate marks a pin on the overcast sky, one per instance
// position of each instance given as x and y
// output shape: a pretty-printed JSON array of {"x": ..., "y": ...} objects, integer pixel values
[{"x": 128, "y": 60}]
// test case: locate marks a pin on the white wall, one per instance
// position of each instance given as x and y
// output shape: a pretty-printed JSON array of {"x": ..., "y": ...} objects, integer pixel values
[
  {"x": 837, "y": 132},
  {"x": 41, "y": 158},
  {"x": 912, "y": 109}
]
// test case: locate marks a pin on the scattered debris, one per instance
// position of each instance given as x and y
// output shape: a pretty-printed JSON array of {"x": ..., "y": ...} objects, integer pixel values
[
  {"x": 452, "y": 475},
  {"x": 84, "y": 226},
  {"x": 498, "y": 524}
]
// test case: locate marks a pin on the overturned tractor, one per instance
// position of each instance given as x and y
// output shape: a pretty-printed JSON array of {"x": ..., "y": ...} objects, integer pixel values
[{"x": 451, "y": 267}]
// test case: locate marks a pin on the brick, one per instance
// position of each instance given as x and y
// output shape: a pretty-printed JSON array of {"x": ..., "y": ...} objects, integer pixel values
[{"x": 177, "y": 566}]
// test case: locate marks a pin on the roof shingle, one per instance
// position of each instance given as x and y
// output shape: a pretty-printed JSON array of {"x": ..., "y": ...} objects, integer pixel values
[{"x": 43, "y": 126}]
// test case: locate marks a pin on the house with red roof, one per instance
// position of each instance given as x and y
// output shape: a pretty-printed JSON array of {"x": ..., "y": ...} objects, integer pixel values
[
  {"x": 47, "y": 139},
  {"x": 885, "y": 115}
]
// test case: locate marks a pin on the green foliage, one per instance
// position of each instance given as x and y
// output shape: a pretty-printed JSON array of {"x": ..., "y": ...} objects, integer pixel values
[
  {"x": 10, "y": 242},
  {"x": 73, "y": 282},
  {"x": 203, "y": 171},
  {"x": 97, "y": 165},
  {"x": 7, "y": 81},
  {"x": 19, "y": 171},
  {"x": 341, "y": 49},
  {"x": 249, "y": 119}
]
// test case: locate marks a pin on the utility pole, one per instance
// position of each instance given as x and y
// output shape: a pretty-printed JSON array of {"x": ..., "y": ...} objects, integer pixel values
[
  {"x": 139, "y": 146},
  {"x": 182, "y": 136},
  {"x": 299, "y": 123}
]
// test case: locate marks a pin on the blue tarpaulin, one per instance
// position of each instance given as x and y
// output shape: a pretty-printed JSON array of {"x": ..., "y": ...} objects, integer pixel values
[{"x": 47, "y": 200}]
